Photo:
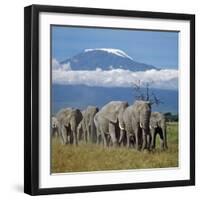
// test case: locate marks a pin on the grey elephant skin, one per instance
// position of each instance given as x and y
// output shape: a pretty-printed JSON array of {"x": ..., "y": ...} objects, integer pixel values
[
  {"x": 81, "y": 128},
  {"x": 68, "y": 119},
  {"x": 87, "y": 128},
  {"x": 158, "y": 127},
  {"x": 54, "y": 126},
  {"x": 136, "y": 124},
  {"x": 108, "y": 120}
]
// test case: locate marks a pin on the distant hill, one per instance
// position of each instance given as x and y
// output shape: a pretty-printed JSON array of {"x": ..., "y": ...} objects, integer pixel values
[
  {"x": 81, "y": 96},
  {"x": 106, "y": 59}
]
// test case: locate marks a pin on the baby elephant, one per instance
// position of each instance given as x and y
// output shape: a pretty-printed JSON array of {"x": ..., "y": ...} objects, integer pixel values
[{"x": 158, "y": 126}]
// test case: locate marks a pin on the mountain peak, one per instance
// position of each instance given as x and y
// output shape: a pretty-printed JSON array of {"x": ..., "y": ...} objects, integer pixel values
[
  {"x": 105, "y": 59},
  {"x": 116, "y": 52}
]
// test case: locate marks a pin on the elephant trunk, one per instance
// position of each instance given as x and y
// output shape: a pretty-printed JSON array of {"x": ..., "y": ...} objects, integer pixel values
[
  {"x": 144, "y": 125},
  {"x": 153, "y": 135}
]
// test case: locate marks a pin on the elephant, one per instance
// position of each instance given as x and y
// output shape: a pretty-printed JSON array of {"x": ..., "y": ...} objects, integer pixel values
[
  {"x": 158, "y": 126},
  {"x": 136, "y": 124},
  {"x": 54, "y": 126},
  {"x": 68, "y": 119},
  {"x": 87, "y": 128},
  {"x": 108, "y": 121}
]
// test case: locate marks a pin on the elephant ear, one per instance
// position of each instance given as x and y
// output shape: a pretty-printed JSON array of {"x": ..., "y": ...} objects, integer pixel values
[
  {"x": 112, "y": 109},
  {"x": 111, "y": 116},
  {"x": 110, "y": 112}
]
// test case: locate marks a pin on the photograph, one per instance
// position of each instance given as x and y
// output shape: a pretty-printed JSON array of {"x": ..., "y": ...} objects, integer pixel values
[
  {"x": 114, "y": 99},
  {"x": 109, "y": 99}
]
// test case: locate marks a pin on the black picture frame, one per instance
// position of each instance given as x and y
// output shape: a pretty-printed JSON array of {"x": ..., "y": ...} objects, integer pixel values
[{"x": 31, "y": 99}]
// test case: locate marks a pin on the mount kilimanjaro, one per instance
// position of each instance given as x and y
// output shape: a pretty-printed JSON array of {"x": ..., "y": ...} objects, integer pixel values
[
  {"x": 88, "y": 61},
  {"x": 106, "y": 59}
]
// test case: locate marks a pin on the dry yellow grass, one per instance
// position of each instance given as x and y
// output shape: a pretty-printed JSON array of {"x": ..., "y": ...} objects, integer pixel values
[{"x": 90, "y": 157}]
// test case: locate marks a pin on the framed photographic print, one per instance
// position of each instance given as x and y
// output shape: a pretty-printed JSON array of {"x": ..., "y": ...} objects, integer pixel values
[{"x": 109, "y": 100}]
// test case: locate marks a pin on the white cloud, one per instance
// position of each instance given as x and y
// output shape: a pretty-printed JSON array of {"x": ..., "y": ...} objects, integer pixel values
[
  {"x": 66, "y": 66},
  {"x": 57, "y": 66},
  {"x": 165, "y": 79}
]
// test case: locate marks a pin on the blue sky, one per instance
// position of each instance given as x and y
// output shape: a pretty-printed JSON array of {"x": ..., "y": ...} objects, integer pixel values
[{"x": 157, "y": 48}]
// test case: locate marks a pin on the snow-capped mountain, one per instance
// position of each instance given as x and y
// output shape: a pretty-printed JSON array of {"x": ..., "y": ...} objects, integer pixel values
[
  {"x": 97, "y": 76},
  {"x": 106, "y": 59}
]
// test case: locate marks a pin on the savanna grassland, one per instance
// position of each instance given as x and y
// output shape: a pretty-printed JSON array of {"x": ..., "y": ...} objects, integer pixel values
[{"x": 91, "y": 157}]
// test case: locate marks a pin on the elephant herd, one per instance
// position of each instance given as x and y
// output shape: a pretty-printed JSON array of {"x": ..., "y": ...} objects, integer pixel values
[{"x": 115, "y": 124}]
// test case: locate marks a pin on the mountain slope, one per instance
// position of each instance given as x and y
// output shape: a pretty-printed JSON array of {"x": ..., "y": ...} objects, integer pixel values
[{"x": 106, "y": 59}]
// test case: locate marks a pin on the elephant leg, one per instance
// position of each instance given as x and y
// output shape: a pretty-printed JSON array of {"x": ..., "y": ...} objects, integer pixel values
[
  {"x": 105, "y": 144},
  {"x": 144, "y": 139},
  {"x": 149, "y": 139},
  {"x": 73, "y": 133},
  {"x": 122, "y": 136},
  {"x": 113, "y": 139},
  {"x": 70, "y": 138},
  {"x": 79, "y": 133},
  {"x": 98, "y": 139},
  {"x": 137, "y": 132},
  {"x": 85, "y": 135},
  {"x": 63, "y": 134},
  {"x": 75, "y": 140},
  {"x": 112, "y": 134},
  {"x": 108, "y": 140},
  {"x": 93, "y": 132},
  {"x": 165, "y": 142},
  {"x": 57, "y": 133},
  {"x": 84, "y": 139},
  {"x": 133, "y": 141},
  {"x": 153, "y": 141},
  {"x": 103, "y": 137},
  {"x": 165, "y": 137},
  {"x": 88, "y": 134},
  {"x": 160, "y": 132},
  {"x": 128, "y": 140}
]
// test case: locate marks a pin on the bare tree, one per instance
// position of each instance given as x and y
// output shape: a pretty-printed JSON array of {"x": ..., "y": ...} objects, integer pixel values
[{"x": 143, "y": 92}]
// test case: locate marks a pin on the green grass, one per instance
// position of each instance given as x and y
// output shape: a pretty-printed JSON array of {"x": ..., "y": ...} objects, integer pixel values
[{"x": 90, "y": 157}]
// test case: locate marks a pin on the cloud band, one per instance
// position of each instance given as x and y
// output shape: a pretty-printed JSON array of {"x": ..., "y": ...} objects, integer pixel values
[{"x": 164, "y": 79}]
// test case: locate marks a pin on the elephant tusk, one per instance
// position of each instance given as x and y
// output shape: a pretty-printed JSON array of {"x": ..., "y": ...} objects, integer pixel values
[
  {"x": 150, "y": 127},
  {"x": 140, "y": 125},
  {"x": 121, "y": 127}
]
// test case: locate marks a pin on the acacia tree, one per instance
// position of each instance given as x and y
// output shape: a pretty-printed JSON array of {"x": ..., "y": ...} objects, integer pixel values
[{"x": 143, "y": 92}]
